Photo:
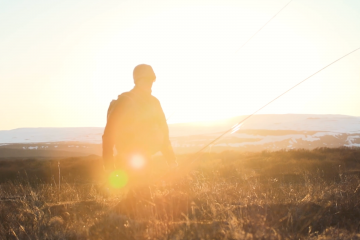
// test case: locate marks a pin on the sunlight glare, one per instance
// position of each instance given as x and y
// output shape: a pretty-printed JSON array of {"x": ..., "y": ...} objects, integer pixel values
[
  {"x": 137, "y": 161},
  {"x": 235, "y": 128}
]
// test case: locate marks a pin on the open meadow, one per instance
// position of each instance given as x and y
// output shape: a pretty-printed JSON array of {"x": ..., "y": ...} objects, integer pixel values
[{"x": 297, "y": 194}]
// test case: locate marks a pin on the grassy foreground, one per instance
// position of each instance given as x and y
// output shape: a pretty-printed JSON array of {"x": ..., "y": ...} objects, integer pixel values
[{"x": 296, "y": 194}]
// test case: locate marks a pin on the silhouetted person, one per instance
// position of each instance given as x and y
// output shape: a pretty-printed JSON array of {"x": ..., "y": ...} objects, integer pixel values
[{"x": 136, "y": 124}]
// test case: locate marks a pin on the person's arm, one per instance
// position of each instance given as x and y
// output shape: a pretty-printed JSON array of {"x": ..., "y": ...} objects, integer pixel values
[
  {"x": 111, "y": 131},
  {"x": 166, "y": 148}
]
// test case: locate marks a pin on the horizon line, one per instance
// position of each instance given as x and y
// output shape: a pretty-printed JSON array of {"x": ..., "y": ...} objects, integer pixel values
[{"x": 200, "y": 121}]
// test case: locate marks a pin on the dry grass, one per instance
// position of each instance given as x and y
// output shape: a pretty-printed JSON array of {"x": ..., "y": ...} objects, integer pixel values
[{"x": 295, "y": 194}]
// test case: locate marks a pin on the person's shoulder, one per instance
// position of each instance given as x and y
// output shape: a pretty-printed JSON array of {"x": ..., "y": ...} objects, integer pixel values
[
  {"x": 154, "y": 99},
  {"x": 123, "y": 100},
  {"x": 125, "y": 96}
]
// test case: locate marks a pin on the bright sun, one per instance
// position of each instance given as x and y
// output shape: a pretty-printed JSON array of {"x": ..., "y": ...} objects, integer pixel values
[{"x": 199, "y": 70}]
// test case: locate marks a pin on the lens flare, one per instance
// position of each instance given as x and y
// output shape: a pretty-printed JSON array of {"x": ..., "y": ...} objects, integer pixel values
[
  {"x": 137, "y": 161},
  {"x": 235, "y": 128},
  {"x": 118, "y": 179}
]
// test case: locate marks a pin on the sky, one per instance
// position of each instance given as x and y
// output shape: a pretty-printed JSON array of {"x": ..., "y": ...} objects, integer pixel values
[{"x": 62, "y": 62}]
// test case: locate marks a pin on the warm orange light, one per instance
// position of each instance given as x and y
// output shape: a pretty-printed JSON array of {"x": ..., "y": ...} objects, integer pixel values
[{"x": 137, "y": 161}]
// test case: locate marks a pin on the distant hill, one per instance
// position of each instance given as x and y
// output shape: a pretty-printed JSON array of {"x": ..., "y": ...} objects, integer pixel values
[
  {"x": 271, "y": 132},
  {"x": 35, "y": 135},
  {"x": 49, "y": 150}
]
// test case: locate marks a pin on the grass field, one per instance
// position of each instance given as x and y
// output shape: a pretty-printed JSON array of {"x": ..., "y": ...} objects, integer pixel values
[{"x": 297, "y": 194}]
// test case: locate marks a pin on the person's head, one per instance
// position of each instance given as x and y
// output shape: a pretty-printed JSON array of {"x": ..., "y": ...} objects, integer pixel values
[{"x": 144, "y": 76}]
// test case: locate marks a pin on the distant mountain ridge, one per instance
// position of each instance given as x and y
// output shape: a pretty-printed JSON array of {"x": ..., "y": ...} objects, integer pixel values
[
  {"x": 298, "y": 122},
  {"x": 69, "y": 134},
  {"x": 260, "y": 132}
]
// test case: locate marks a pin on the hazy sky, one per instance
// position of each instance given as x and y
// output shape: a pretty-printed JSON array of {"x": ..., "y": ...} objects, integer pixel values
[{"x": 62, "y": 62}]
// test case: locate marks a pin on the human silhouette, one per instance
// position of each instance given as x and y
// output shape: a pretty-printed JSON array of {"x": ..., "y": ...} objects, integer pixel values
[{"x": 136, "y": 124}]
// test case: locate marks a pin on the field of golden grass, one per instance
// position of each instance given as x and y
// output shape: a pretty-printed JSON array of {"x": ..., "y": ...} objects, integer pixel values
[{"x": 297, "y": 194}]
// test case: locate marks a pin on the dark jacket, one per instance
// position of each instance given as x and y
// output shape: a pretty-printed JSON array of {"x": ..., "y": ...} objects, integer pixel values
[{"x": 136, "y": 124}]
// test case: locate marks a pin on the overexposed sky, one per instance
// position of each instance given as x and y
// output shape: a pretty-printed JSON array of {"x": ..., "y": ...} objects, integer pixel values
[{"x": 62, "y": 62}]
